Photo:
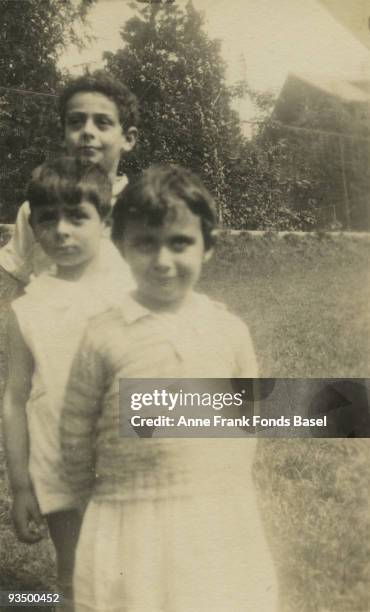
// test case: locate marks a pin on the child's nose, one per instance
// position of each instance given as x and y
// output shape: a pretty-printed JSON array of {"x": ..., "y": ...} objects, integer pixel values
[
  {"x": 63, "y": 227},
  {"x": 89, "y": 127},
  {"x": 163, "y": 259}
]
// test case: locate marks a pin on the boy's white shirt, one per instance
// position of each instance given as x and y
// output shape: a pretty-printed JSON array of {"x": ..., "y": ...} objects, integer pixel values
[{"x": 22, "y": 256}]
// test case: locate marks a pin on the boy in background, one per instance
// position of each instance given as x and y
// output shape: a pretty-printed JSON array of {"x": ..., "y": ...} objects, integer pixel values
[{"x": 99, "y": 117}]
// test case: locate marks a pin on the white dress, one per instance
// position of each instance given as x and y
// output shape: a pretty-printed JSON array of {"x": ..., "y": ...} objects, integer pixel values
[
  {"x": 203, "y": 549},
  {"x": 184, "y": 533},
  {"x": 52, "y": 316}
]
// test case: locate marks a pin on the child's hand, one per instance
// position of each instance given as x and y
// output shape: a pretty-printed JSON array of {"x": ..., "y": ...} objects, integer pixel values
[{"x": 26, "y": 517}]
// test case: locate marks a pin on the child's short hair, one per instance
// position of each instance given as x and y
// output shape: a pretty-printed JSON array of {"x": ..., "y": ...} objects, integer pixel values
[
  {"x": 66, "y": 181},
  {"x": 150, "y": 197},
  {"x": 101, "y": 82}
]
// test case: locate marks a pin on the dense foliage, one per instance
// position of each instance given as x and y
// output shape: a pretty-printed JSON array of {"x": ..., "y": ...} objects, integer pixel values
[
  {"x": 179, "y": 77},
  {"x": 32, "y": 35},
  {"x": 302, "y": 169},
  {"x": 294, "y": 173}
]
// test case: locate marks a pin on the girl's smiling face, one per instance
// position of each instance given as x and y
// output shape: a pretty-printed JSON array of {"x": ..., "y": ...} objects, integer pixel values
[{"x": 166, "y": 260}]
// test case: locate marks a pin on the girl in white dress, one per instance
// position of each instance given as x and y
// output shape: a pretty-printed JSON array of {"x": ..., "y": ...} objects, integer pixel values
[
  {"x": 172, "y": 524},
  {"x": 69, "y": 203}
]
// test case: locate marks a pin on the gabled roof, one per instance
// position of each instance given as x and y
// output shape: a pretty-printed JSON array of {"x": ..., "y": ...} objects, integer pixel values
[
  {"x": 347, "y": 89},
  {"x": 300, "y": 89},
  {"x": 353, "y": 15}
]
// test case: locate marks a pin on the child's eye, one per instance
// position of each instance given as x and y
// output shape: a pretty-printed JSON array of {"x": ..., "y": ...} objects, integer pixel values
[
  {"x": 74, "y": 121},
  {"x": 103, "y": 122},
  {"x": 77, "y": 216},
  {"x": 145, "y": 245},
  {"x": 180, "y": 244}
]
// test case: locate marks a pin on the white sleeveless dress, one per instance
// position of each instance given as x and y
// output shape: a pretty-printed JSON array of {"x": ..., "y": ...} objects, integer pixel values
[{"x": 52, "y": 316}]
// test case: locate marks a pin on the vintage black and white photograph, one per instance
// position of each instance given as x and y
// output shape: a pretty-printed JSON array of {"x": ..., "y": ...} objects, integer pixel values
[{"x": 184, "y": 195}]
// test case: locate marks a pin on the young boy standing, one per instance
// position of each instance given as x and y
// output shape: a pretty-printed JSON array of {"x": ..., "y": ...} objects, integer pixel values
[
  {"x": 99, "y": 118},
  {"x": 69, "y": 203}
]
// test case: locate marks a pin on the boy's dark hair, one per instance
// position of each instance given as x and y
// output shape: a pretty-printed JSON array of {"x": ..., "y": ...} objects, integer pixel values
[
  {"x": 103, "y": 83},
  {"x": 151, "y": 196},
  {"x": 66, "y": 181}
]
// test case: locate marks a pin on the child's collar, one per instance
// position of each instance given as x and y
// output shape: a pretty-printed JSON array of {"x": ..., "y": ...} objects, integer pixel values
[
  {"x": 119, "y": 184},
  {"x": 132, "y": 310}
]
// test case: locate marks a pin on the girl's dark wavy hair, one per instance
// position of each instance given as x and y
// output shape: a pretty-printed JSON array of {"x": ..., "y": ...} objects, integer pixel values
[
  {"x": 150, "y": 197},
  {"x": 66, "y": 181},
  {"x": 103, "y": 83}
]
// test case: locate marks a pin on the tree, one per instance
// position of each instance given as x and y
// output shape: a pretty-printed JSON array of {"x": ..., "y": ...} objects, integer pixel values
[
  {"x": 32, "y": 35},
  {"x": 176, "y": 71},
  {"x": 261, "y": 190},
  {"x": 178, "y": 75}
]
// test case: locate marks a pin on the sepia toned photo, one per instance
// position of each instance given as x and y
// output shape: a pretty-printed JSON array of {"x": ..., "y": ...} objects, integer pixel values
[{"x": 185, "y": 199}]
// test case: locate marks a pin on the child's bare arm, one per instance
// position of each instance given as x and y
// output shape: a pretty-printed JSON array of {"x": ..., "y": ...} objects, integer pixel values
[{"x": 25, "y": 508}]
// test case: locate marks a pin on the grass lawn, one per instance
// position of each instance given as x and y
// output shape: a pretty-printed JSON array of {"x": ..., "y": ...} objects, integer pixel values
[{"x": 306, "y": 300}]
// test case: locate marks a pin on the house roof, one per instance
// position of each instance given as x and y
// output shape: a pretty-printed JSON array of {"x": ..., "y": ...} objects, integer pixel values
[
  {"x": 354, "y": 15},
  {"x": 347, "y": 89},
  {"x": 300, "y": 89}
]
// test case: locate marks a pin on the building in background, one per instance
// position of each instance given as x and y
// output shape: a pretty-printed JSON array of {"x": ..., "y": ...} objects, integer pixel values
[
  {"x": 354, "y": 15},
  {"x": 325, "y": 123}
]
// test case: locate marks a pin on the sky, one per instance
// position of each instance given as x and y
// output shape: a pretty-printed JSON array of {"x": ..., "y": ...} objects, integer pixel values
[{"x": 262, "y": 41}]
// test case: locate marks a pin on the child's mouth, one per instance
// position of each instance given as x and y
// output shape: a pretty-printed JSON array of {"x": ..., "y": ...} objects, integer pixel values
[
  {"x": 88, "y": 150},
  {"x": 69, "y": 250},
  {"x": 165, "y": 280}
]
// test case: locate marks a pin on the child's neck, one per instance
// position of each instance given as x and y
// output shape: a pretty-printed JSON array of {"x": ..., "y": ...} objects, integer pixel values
[
  {"x": 113, "y": 176},
  {"x": 75, "y": 273},
  {"x": 158, "y": 306}
]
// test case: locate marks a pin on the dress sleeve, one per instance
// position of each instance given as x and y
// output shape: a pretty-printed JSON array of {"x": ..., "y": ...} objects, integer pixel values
[
  {"x": 82, "y": 407},
  {"x": 23, "y": 256},
  {"x": 14, "y": 256}
]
